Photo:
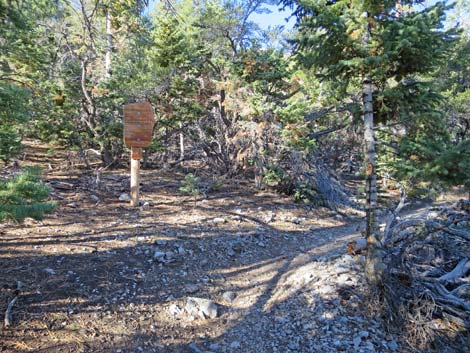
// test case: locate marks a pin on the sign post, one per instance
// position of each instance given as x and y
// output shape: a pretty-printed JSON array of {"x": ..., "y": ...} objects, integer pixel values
[{"x": 138, "y": 128}]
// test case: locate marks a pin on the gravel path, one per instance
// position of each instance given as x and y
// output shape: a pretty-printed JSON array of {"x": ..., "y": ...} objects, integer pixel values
[{"x": 238, "y": 271}]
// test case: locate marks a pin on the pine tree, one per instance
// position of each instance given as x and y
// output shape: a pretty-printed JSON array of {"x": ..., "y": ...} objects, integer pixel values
[
  {"x": 24, "y": 195},
  {"x": 383, "y": 46}
]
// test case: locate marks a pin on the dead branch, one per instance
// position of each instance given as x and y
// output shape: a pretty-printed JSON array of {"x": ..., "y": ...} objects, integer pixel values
[
  {"x": 460, "y": 270},
  {"x": 394, "y": 214},
  {"x": 422, "y": 294},
  {"x": 8, "y": 312},
  {"x": 8, "y": 317}
]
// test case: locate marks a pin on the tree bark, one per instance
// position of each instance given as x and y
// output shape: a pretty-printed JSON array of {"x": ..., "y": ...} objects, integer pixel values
[
  {"x": 181, "y": 137},
  {"x": 109, "y": 44},
  {"x": 374, "y": 261}
]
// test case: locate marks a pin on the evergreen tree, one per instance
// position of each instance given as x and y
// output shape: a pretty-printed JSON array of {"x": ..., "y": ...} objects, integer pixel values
[
  {"x": 24, "y": 195},
  {"x": 383, "y": 46}
]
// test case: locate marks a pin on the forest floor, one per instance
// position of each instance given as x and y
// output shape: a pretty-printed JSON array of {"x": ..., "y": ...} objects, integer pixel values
[{"x": 235, "y": 270}]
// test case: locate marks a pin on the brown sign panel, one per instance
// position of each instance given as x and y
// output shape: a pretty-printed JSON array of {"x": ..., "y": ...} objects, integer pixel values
[{"x": 138, "y": 124}]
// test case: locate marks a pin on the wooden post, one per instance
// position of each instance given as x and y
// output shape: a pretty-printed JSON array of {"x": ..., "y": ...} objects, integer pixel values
[
  {"x": 135, "y": 168},
  {"x": 138, "y": 127}
]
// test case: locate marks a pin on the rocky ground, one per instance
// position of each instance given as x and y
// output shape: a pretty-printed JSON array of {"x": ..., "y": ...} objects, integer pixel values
[{"x": 234, "y": 270}]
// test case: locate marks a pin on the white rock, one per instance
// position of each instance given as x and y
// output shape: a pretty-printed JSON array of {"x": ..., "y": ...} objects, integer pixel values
[
  {"x": 432, "y": 215},
  {"x": 326, "y": 289},
  {"x": 174, "y": 310},
  {"x": 205, "y": 308},
  {"x": 295, "y": 220},
  {"x": 124, "y": 197},
  {"x": 218, "y": 220},
  {"x": 229, "y": 296}
]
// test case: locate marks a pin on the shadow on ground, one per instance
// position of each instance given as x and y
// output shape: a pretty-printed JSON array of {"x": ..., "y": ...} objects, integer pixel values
[{"x": 92, "y": 282}]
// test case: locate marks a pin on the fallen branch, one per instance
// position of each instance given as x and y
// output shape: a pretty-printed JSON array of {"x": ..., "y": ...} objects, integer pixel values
[
  {"x": 393, "y": 215},
  {"x": 432, "y": 226},
  {"x": 421, "y": 294},
  {"x": 460, "y": 270},
  {"x": 8, "y": 313}
]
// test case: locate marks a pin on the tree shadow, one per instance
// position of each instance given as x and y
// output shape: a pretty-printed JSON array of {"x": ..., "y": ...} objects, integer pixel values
[{"x": 92, "y": 282}]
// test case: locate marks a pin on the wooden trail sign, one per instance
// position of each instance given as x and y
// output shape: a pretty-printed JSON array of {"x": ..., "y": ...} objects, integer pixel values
[
  {"x": 138, "y": 124},
  {"x": 138, "y": 128}
]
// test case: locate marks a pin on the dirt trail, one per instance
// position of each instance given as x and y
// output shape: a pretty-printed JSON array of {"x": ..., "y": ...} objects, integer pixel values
[{"x": 100, "y": 276}]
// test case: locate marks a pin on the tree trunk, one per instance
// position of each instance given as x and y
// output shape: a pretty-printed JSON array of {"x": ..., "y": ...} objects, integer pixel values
[
  {"x": 109, "y": 44},
  {"x": 181, "y": 136},
  {"x": 374, "y": 262}
]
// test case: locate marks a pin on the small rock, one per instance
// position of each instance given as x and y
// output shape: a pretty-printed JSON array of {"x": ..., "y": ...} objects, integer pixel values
[
  {"x": 145, "y": 205},
  {"x": 326, "y": 289},
  {"x": 432, "y": 215},
  {"x": 205, "y": 308},
  {"x": 124, "y": 197},
  {"x": 50, "y": 271},
  {"x": 191, "y": 288},
  {"x": 94, "y": 198},
  {"x": 229, "y": 296},
  {"x": 357, "y": 341},
  {"x": 295, "y": 220},
  {"x": 174, "y": 310},
  {"x": 218, "y": 220},
  {"x": 340, "y": 269},
  {"x": 370, "y": 347},
  {"x": 159, "y": 255},
  {"x": 269, "y": 216},
  {"x": 235, "y": 345},
  {"x": 343, "y": 279},
  {"x": 393, "y": 345},
  {"x": 195, "y": 348},
  {"x": 214, "y": 346}
]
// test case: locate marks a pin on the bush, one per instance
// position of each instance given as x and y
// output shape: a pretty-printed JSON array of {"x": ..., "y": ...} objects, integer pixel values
[
  {"x": 24, "y": 195},
  {"x": 10, "y": 143},
  {"x": 190, "y": 185}
]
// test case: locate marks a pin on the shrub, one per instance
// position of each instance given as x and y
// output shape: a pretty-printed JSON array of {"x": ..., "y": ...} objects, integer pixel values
[
  {"x": 190, "y": 185},
  {"x": 23, "y": 195}
]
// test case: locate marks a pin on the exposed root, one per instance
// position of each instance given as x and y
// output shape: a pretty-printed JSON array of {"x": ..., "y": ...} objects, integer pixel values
[{"x": 427, "y": 283}]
